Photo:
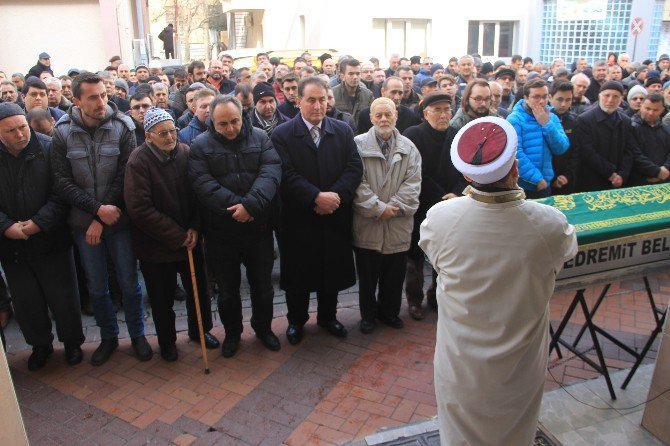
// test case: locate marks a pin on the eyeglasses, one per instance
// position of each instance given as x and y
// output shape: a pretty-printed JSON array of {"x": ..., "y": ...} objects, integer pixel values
[
  {"x": 481, "y": 99},
  {"x": 165, "y": 133},
  {"x": 142, "y": 106}
]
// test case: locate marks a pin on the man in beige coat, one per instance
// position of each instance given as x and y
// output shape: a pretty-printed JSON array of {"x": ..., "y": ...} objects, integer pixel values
[
  {"x": 497, "y": 257},
  {"x": 385, "y": 203}
]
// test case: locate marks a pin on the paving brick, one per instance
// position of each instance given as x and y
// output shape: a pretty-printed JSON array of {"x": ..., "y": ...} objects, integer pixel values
[
  {"x": 302, "y": 434},
  {"x": 325, "y": 419},
  {"x": 404, "y": 410},
  {"x": 188, "y": 396},
  {"x": 146, "y": 418},
  {"x": 201, "y": 408},
  {"x": 128, "y": 415},
  {"x": 237, "y": 387},
  {"x": 324, "y": 391},
  {"x": 184, "y": 440},
  {"x": 426, "y": 410},
  {"x": 331, "y": 435},
  {"x": 366, "y": 394},
  {"x": 120, "y": 428},
  {"x": 375, "y": 408},
  {"x": 175, "y": 412}
]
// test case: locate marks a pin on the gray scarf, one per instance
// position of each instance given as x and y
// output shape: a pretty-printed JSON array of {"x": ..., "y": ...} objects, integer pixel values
[{"x": 267, "y": 126}]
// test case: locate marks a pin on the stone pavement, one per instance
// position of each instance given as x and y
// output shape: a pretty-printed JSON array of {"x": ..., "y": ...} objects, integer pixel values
[{"x": 325, "y": 391}]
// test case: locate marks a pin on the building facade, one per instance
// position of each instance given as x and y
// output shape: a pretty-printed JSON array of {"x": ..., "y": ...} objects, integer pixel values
[
  {"x": 594, "y": 28},
  {"x": 542, "y": 29},
  {"x": 76, "y": 33}
]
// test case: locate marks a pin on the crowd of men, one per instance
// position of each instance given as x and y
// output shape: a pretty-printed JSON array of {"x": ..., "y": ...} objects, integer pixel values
[{"x": 147, "y": 164}]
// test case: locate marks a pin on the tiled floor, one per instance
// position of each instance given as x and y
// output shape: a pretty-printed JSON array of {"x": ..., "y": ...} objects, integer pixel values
[
  {"x": 605, "y": 421},
  {"x": 325, "y": 391}
]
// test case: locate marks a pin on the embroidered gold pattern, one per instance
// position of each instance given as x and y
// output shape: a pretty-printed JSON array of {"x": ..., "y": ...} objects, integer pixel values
[
  {"x": 564, "y": 202},
  {"x": 605, "y": 200},
  {"x": 622, "y": 221}
]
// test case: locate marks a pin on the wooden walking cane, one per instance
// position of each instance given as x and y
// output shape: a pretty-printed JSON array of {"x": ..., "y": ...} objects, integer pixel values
[{"x": 197, "y": 310}]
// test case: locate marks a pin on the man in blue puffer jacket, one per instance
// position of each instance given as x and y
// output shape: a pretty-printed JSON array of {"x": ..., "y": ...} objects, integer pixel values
[{"x": 540, "y": 136}]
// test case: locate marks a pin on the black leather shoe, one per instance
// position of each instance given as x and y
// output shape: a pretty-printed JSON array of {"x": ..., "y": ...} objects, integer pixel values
[
  {"x": 230, "y": 345},
  {"x": 335, "y": 328},
  {"x": 269, "y": 340},
  {"x": 142, "y": 348},
  {"x": 179, "y": 294},
  {"x": 294, "y": 334},
  {"x": 73, "y": 354},
  {"x": 169, "y": 353},
  {"x": 104, "y": 351},
  {"x": 39, "y": 357},
  {"x": 366, "y": 327},
  {"x": 394, "y": 322},
  {"x": 210, "y": 340}
]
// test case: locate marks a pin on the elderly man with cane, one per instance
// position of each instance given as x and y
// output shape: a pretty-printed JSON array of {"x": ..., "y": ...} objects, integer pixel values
[
  {"x": 497, "y": 257},
  {"x": 165, "y": 225}
]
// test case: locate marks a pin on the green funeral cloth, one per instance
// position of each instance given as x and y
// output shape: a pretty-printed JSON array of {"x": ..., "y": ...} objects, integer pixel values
[{"x": 611, "y": 214}]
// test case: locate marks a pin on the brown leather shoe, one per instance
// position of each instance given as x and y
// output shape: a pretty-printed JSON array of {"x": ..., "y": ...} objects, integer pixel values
[{"x": 416, "y": 312}]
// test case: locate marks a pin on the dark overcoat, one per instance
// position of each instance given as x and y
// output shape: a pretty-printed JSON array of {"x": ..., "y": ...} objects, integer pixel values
[
  {"x": 606, "y": 145},
  {"x": 316, "y": 250},
  {"x": 27, "y": 194}
]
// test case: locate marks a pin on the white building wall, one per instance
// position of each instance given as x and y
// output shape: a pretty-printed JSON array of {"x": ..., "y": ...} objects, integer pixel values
[
  {"x": 70, "y": 31},
  {"x": 347, "y": 25}
]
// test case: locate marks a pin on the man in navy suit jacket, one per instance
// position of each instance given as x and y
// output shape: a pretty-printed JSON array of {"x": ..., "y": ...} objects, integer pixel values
[{"x": 321, "y": 171}]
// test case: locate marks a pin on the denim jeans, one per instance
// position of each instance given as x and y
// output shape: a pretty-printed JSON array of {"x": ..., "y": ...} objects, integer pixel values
[{"x": 94, "y": 261}]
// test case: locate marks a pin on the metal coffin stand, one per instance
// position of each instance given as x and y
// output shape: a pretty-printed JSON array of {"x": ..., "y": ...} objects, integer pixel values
[{"x": 580, "y": 283}]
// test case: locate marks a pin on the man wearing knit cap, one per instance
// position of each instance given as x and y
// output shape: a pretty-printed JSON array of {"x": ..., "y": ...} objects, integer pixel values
[
  {"x": 90, "y": 149},
  {"x": 605, "y": 141},
  {"x": 35, "y": 246},
  {"x": 436, "y": 71},
  {"x": 493, "y": 317},
  {"x": 438, "y": 182},
  {"x": 486, "y": 71},
  {"x": 165, "y": 224},
  {"x": 635, "y": 98},
  {"x": 663, "y": 66},
  {"x": 265, "y": 115},
  {"x": 121, "y": 88},
  {"x": 653, "y": 85}
]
